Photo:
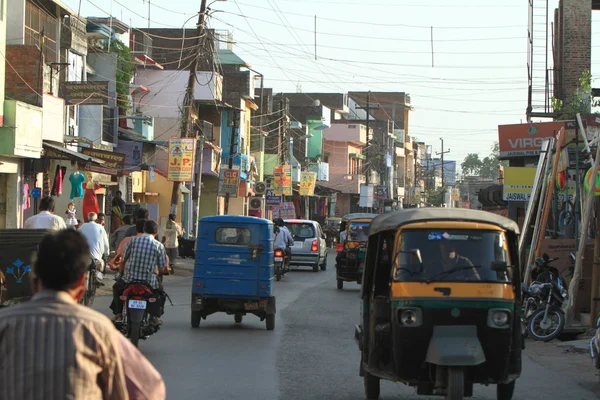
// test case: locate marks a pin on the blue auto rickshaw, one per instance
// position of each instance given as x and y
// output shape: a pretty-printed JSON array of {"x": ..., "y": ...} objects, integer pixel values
[{"x": 233, "y": 270}]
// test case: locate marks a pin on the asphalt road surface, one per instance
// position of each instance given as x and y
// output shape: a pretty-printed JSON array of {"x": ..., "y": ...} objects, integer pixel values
[{"x": 311, "y": 354}]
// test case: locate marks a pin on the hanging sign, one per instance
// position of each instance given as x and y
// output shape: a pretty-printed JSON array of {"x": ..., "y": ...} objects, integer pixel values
[
  {"x": 285, "y": 211},
  {"x": 271, "y": 199},
  {"x": 307, "y": 183},
  {"x": 229, "y": 182},
  {"x": 181, "y": 159},
  {"x": 282, "y": 180}
]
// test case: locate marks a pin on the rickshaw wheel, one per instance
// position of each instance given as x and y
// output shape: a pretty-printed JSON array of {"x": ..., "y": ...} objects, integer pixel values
[
  {"x": 340, "y": 284},
  {"x": 372, "y": 386},
  {"x": 237, "y": 318},
  {"x": 196, "y": 317},
  {"x": 504, "y": 391},
  {"x": 270, "y": 322},
  {"x": 456, "y": 384}
]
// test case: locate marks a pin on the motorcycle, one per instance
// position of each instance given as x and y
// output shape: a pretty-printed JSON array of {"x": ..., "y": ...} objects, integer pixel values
[
  {"x": 548, "y": 292},
  {"x": 595, "y": 346},
  {"x": 282, "y": 263},
  {"x": 136, "y": 319}
]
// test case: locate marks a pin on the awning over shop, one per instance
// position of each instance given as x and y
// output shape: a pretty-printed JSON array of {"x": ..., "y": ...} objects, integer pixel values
[{"x": 74, "y": 155}]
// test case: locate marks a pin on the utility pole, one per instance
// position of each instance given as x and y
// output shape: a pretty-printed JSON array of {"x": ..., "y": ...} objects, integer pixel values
[
  {"x": 187, "y": 115},
  {"x": 232, "y": 151},
  {"x": 367, "y": 166},
  {"x": 442, "y": 167}
]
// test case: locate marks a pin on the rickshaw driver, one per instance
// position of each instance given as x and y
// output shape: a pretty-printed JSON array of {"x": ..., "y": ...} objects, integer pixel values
[{"x": 450, "y": 259}]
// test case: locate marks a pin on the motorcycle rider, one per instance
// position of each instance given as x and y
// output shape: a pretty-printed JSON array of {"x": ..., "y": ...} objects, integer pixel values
[
  {"x": 97, "y": 239},
  {"x": 283, "y": 238},
  {"x": 144, "y": 258}
]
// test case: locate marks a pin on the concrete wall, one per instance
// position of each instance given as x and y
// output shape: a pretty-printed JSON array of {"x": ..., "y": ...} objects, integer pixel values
[{"x": 346, "y": 133}]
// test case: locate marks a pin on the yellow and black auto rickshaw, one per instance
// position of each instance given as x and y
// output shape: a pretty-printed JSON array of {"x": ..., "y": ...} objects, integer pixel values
[
  {"x": 440, "y": 296},
  {"x": 351, "y": 249}
]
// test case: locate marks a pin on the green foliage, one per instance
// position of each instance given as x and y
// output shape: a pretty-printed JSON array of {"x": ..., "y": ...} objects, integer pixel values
[
  {"x": 125, "y": 71},
  {"x": 581, "y": 102},
  {"x": 487, "y": 167},
  {"x": 436, "y": 197}
]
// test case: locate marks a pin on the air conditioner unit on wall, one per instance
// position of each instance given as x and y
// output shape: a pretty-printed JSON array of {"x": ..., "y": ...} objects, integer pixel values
[
  {"x": 260, "y": 188},
  {"x": 256, "y": 203}
]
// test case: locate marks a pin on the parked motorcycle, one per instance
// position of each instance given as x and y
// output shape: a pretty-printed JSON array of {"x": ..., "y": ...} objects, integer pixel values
[
  {"x": 282, "y": 263},
  {"x": 548, "y": 291},
  {"x": 136, "y": 298},
  {"x": 595, "y": 346}
]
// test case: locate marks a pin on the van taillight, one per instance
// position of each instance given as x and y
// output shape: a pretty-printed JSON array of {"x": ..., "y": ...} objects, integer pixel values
[
  {"x": 278, "y": 253},
  {"x": 315, "y": 246}
]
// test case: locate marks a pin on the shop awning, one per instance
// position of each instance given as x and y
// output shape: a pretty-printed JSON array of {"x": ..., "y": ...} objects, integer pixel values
[{"x": 75, "y": 155}]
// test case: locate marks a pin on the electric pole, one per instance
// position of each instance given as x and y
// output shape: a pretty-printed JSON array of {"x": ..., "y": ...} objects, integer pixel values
[
  {"x": 368, "y": 108},
  {"x": 442, "y": 167},
  {"x": 232, "y": 150},
  {"x": 188, "y": 103}
]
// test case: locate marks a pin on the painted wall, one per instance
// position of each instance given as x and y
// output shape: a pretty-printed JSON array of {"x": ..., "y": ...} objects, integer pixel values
[
  {"x": 347, "y": 133},
  {"x": 164, "y": 188}
]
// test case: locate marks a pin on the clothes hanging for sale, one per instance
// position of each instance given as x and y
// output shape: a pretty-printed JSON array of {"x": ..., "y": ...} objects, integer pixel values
[
  {"x": 77, "y": 179},
  {"x": 58, "y": 180},
  {"x": 46, "y": 183},
  {"x": 26, "y": 201},
  {"x": 90, "y": 201}
]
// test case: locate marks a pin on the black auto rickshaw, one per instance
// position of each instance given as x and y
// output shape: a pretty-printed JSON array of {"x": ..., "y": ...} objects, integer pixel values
[
  {"x": 440, "y": 296},
  {"x": 351, "y": 249}
]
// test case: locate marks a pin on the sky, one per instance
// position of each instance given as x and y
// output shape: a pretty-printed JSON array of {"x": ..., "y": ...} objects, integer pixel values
[{"x": 478, "y": 79}]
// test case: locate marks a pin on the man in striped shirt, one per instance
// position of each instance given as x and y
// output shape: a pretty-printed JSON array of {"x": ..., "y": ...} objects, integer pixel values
[{"x": 53, "y": 348}]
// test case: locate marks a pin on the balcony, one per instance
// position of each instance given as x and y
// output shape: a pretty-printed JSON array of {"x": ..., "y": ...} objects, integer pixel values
[
  {"x": 21, "y": 135},
  {"x": 354, "y": 133}
]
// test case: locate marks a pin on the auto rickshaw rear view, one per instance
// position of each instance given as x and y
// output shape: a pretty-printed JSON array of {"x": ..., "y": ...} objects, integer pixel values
[
  {"x": 350, "y": 260},
  {"x": 440, "y": 295}
]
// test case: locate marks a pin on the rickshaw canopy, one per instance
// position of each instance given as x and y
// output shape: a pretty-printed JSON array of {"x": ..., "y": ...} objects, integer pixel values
[
  {"x": 395, "y": 220},
  {"x": 353, "y": 216}
]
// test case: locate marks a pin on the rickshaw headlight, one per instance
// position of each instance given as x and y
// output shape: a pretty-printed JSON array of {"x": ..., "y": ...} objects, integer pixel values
[
  {"x": 498, "y": 318},
  {"x": 410, "y": 317}
]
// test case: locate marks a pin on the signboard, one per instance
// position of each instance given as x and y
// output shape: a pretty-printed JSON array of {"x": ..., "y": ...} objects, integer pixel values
[
  {"x": 229, "y": 182},
  {"x": 282, "y": 180},
  {"x": 181, "y": 159},
  {"x": 133, "y": 153},
  {"x": 307, "y": 183},
  {"x": 366, "y": 196},
  {"x": 86, "y": 93},
  {"x": 285, "y": 211},
  {"x": 114, "y": 163},
  {"x": 518, "y": 184},
  {"x": 525, "y": 140},
  {"x": 271, "y": 199},
  {"x": 381, "y": 192}
]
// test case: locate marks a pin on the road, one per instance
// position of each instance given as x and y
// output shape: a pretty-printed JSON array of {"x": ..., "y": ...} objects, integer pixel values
[{"x": 311, "y": 354}]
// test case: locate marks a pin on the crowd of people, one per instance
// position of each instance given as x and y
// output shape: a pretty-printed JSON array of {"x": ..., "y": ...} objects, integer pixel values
[{"x": 84, "y": 356}]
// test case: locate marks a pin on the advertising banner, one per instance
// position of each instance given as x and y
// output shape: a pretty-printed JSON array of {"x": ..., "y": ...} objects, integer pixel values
[
  {"x": 518, "y": 184},
  {"x": 271, "y": 199},
  {"x": 229, "y": 182},
  {"x": 282, "y": 180},
  {"x": 307, "y": 183},
  {"x": 285, "y": 211},
  {"x": 114, "y": 163},
  {"x": 366, "y": 196},
  {"x": 181, "y": 159}
]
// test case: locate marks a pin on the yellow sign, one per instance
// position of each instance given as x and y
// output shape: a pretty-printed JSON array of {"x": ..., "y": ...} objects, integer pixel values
[
  {"x": 181, "y": 159},
  {"x": 282, "y": 180},
  {"x": 518, "y": 184},
  {"x": 307, "y": 183}
]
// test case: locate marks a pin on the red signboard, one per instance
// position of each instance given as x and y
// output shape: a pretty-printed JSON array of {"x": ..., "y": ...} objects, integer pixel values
[{"x": 523, "y": 140}]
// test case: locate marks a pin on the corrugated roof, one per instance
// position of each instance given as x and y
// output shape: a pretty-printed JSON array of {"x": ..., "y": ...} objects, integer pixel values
[{"x": 228, "y": 57}]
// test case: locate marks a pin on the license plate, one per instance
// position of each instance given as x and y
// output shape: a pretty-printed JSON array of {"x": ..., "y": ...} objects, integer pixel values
[
  {"x": 278, "y": 258},
  {"x": 137, "y": 304},
  {"x": 251, "y": 306}
]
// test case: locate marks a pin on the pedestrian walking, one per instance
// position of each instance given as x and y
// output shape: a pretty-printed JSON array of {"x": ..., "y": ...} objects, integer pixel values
[
  {"x": 171, "y": 240},
  {"x": 54, "y": 348},
  {"x": 46, "y": 219}
]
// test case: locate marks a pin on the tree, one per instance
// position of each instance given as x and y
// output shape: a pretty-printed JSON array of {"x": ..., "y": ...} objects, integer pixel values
[
  {"x": 486, "y": 167},
  {"x": 581, "y": 102}
]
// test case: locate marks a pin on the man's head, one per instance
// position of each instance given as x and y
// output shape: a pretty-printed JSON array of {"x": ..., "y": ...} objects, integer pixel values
[
  {"x": 278, "y": 221},
  {"x": 100, "y": 219},
  {"x": 127, "y": 219},
  {"x": 139, "y": 225},
  {"x": 92, "y": 217},
  {"x": 448, "y": 250},
  {"x": 47, "y": 204},
  {"x": 172, "y": 217},
  {"x": 142, "y": 213},
  {"x": 61, "y": 262},
  {"x": 151, "y": 228},
  {"x": 119, "y": 194}
]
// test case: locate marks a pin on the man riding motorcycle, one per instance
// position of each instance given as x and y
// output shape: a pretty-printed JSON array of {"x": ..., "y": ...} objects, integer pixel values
[
  {"x": 283, "y": 237},
  {"x": 97, "y": 239}
]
